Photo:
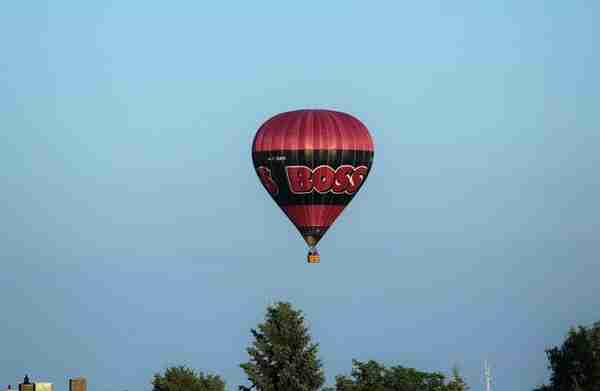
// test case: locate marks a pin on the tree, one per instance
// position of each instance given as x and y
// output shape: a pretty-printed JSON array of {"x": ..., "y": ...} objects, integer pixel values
[
  {"x": 365, "y": 376},
  {"x": 181, "y": 378},
  {"x": 282, "y": 356},
  {"x": 372, "y": 376},
  {"x": 457, "y": 383},
  {"x": 575, "y": 365}
]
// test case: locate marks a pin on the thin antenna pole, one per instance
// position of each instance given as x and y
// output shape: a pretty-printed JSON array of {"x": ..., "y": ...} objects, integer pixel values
[{"x": 488, "y": 377}]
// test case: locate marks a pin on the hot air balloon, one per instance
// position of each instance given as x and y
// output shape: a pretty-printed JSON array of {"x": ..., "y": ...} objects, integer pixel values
[{"x": 312, "y": 163}]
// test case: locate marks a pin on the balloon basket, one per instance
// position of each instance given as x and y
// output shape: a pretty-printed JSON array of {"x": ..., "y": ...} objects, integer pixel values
[{"x": 313, "y": 256}]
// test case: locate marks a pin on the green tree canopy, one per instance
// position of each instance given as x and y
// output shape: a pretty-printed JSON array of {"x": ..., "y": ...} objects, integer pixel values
[
  {"x": 372, "y": 376},
  {"x": 575, "y": 365},
  {"x": 282, "y": 356},
  {"x": 181, "y": 378}
]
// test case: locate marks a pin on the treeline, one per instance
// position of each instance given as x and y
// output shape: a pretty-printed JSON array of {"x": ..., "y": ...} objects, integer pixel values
[{"x": 283, "y": 357}]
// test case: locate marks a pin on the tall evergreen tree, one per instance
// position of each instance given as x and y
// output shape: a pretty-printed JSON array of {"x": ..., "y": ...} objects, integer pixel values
[{"x": 282, "y": 356}]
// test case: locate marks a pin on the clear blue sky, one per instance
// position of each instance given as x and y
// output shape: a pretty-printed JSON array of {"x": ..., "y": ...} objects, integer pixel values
[{"x": 135, "y": 234}]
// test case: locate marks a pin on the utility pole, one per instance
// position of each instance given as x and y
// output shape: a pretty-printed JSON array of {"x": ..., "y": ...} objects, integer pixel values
[{"x": 488, "y": 376}]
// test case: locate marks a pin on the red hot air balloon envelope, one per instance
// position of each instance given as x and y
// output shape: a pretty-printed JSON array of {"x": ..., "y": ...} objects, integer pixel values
[{"x": 312, "y": 163}]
